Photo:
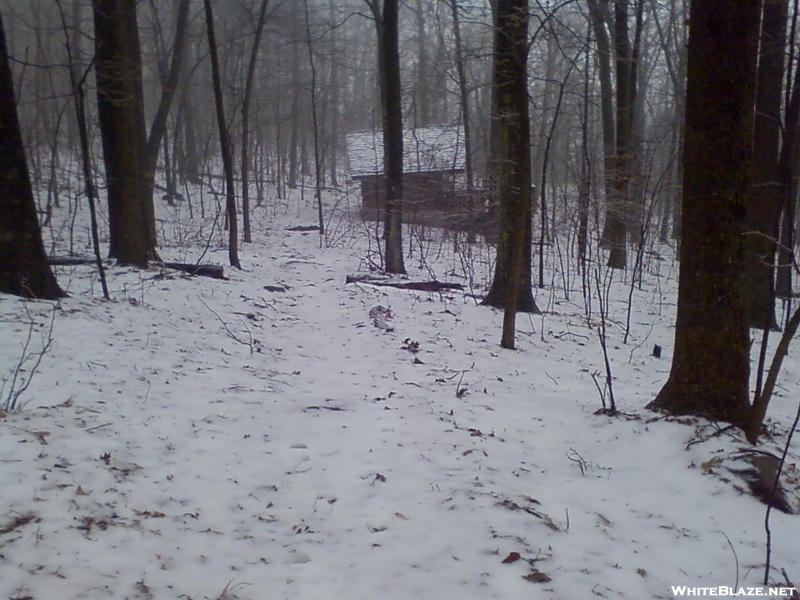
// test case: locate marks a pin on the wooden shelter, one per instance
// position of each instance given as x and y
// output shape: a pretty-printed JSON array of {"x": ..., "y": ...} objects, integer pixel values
[{"x": 432, "y": 158}]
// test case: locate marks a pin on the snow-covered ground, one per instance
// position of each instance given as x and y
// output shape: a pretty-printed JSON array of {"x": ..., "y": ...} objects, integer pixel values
[{"x": 197, "y": 438}]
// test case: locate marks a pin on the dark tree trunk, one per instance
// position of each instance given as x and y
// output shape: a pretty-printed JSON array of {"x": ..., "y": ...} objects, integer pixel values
[
  {"x": 710, "y": 366},
  {"x": 787, "y": 175},
  {"x": 386, "y": 22},
  {"x": 248, "y": 92},
  {"x": 765, "y": 197},
  {"x": 158, "y": 128},
  {"x": 598, "y": 9},
  {"x": 24, "y": 270},
  {"x": 120, "y": 109},
  {"x": 224, "y": 142},
  {"x": 615, "y": 232},
  {"x": 511, "y": 161},
  {"x": 463, "y": 97},
  {"x": 586, "y": 164},
  {"x": 514, "y": 129}
]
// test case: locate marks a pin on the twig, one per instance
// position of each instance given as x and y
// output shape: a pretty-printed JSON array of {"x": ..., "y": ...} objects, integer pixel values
[
  {"x": 772, "y": 493},
  {"x": 233, "y": 336},
  {"x": 459, "y": 390},
  {"x": 96, "y": 427},
  {"x": 20, "y": 382},
  {"x": 735, "y": 557}
]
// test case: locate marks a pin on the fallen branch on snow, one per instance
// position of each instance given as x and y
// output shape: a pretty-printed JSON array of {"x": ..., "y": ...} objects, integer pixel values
[{"x": 422, "y": 286}]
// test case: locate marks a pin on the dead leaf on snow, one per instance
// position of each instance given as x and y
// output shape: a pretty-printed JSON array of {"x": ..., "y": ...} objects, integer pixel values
[
  {"x": 512, "y": 558},
  {"x": 708, "y": 466},
  {"x": 17, "y": 522},
  {"x": 41, "y": 436},
  {"x": 153, "y": 514},
  {"x": 537, "y": 576}
]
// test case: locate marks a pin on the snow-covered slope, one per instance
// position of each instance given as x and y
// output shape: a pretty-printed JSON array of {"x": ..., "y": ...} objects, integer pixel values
[{"x": 197, "y": 438}]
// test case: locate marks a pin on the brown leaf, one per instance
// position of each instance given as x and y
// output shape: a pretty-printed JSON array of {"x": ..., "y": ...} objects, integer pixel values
[
  {"x": 80, "y": 492},
  {"x": 17, "y": 522},
  {"x": 512, "y": 558},
  {"x": 537, "y": 576},
  {"x": 152, "y": 514},
  {"x": 41, "y": 436}
]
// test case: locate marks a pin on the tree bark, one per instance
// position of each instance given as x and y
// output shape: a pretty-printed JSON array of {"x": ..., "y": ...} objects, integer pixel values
[
  {"x": 710, "y": 367},
  {"x": 511, "y": 162},
  {"x": 158, "y": 127},
  {"x": 514, "y": 129},
  {"x": 386, "y": 22},
  {"x": 224, "y": 142},
  {"x": 598, "y": 9},
  {"x": 765, "y": 194},
  {"x": 615, "y": 231},
  {"x": 24, "y": 270},
  {"x": 248, "y": 92},
  {"x": 120, "y": 108}
]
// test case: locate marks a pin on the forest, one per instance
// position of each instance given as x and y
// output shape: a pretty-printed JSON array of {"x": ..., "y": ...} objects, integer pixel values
[{"x": 348, "y": 299}]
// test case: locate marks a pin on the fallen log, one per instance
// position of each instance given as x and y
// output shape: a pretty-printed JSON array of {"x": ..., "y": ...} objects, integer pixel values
[
  {"x": 71, "y": 261},
  {"x": 303, "y": 228},
  {"x": 213, "y": 271},
  {"x": 421, "y": 286}
]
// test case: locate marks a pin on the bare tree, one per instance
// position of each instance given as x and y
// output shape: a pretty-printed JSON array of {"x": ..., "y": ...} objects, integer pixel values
[
  {"x": 386, "y": 22},
  {"x": 224, "y": 142},
  {"x": 246, "y": 99},
  {"x": 510, "y": 163},
  {"x": 120, "y": 107},
  {"x": 24, "y": 270},
  {"x": 711, "y": 364}
]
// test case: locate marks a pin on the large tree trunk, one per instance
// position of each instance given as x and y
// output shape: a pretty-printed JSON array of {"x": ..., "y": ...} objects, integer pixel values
[
  {"x": 24, "y": 270},
  {"x": 711, "y": 366},
  {"x": 393, "y": 140},
  {"x": 511, "y": 170},
  {"x": 765, "y": 197},
  {"x": 386, "y": 22},
  {"x": 615, "y": 232},
  {"x": 514, "y": 132},
  {"x": 120, "y": 108}
]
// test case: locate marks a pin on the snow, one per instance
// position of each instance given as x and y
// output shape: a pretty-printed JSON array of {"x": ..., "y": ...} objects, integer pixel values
[
  {"x": 286, "y": 447},
  {"x": 425, "y": 149}
]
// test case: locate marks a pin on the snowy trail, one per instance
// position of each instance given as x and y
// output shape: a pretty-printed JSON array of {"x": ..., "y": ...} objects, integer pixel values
[{"x": 159, "y": 457}]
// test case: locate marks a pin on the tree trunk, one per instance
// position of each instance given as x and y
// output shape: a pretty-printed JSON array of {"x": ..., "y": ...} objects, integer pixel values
[
  {"x": 615, "y": 232},
  {"x": 386, "y": 23},
  {"x": 598, "y": 9},
  {"x": 120, "y": 109},
  {"x": 765, "y": 198},
  {"x": 248, "y": 92},
  {"x": 422, "y": 90},
  {"x": 158, "y": 127},
  {"x": 224, "y": 142},
  {"x": 24, "y": 270},
  {"x": 710, "y": 366},
  {"x": 511, "y": 168},
  {"x": 514, "y": 134}
]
